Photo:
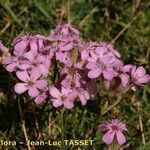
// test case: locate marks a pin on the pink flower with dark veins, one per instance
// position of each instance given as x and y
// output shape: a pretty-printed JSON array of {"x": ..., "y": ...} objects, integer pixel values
[
  {"x": 63, "y": 31},
  {"x": 71, "y": 75},
  {"x": 37, "y": 64},
  {"x": 24, "y": 44},
  {"x": 88, "y": 50},
  {"x": 101, "y": 64},
  {"x": 15, "y": 63},
  {"x": 83, "y": 95},
  {"x": 64, "y": 97},
  {"x": 122, "y": 72},
  {"x": 114, "y": 130},
  {"x": 32, "y": 83},
  {"x": 63, "y": 57},
  {"x": 139, "y": 76},
  {"x": 42, "y": 96}
]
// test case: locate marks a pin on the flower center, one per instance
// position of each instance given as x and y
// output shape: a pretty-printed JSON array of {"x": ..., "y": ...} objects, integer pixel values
[
  {"x": 72, "y": 71},
  {"x": 101, "y": 64},
  {"x": 46, "y": 43},
  {"x": 63, "y": 97},
  {"x": 30, "y": 82},
  {"x": 114, "y": 127}
]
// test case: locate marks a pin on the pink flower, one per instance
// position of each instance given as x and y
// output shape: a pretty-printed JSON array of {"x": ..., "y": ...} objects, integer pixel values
[
  {"x": 30, "y": 83},
  {"x": 42, "y": 97},
  {"x": 15, "y": 63},
  {"x": 122, "y": 72},
  {"x": 63, "y": 31},
  {"x": 139, "y": 76},
  {"x": 63, "y": 57},
  {"x": 72, "y": 76},
  {"x": 64, "y": 97},
  {"x": 113, "y": 129},
  {"x": 101, "y": 64},
  {"x": 83, "y": 95},
  {"x": 25, "y": 43},
  {"x": 88, "y": 50},
  {"x": 37, "y": 64}
]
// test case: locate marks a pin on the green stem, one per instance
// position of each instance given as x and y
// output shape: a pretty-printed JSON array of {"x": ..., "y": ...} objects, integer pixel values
[{"x": 63, "y": 129}]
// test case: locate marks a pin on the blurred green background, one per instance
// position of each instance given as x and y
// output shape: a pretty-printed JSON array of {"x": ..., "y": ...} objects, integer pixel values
[{"x": 124, "y": 23}]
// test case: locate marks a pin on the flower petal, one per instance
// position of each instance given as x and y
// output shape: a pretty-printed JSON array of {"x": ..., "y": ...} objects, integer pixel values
[
  {"x": 94, "y": 73},
  {"x": 20, "y": 46},
  {"x": 29, "y": 56},
  {"x": 91, "y": 65},
  {"x": 120, "y": 138},
  {"x": 108, "y": 74},
  {"x": 124, "y": 79},
  {"x": 68, "y": 104},
  {"x": 54, "y": 92},
  {"x": 20, "y": 88},
  {"x": 11, "y": 67},
  {"x": 141, "y": 71},
  {"x": 108, "y": 137},
  {"x": 57, "y": 102},
  {"x": 23, "y": 75},
  {"x": 33, "y": 92},
  {"x": 40, "y": 99},
  {"x": 34, "y": 46},
  {"x": 40, "y": 84}
]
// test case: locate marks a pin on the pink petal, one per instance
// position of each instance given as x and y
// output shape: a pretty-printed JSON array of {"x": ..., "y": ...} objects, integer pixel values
[
  {"x": 7, "y": 60},
  {"x": 33, "y": 92},
  {"x": 108, "y": 74},
  {"x": 127, "y": 68},
  {"x": 54, "y": 92},
  {"x": 84, "y": 96},
  {"x": 40, "y": 84},
  {"x": 140, "y": 71},
  {"x": 68, "y": 104},
  {"x": 20, "y": 88},
  {"x": 65, "y": 82},
  {"x": 108, "y": 137},
  {"x": 40, "y": 99},
  {"x": 23, "y": 76},
  {"x": 94, "y": 73},
  {"x": 29, "y": 56},
  {"x": 65, "y": 91},
  {"x": 100, "y": 51},
  {"x": 35, "y": 73},
  {"x": 23, "y": 66},
  {"x": 11, "y": 67},
  {"x": 33, "y": 46},
  {"x": 133, "y": 69},
  {"x": 20, "y": 46},
  {"x": 121, "y": 138},
  {"x": 124, "y": 79},
  {"x": 144, "y": 79},
  {"x": 83, "y": 99},
  {"x": 67, "y": 47},
  {"x": 84, "y": 54},
  {"x": 57, "y": 102},
  {"x": 44, "y": 70},
  {"x": 91, "y": 65},
  {"x": 103, "y": 127}
]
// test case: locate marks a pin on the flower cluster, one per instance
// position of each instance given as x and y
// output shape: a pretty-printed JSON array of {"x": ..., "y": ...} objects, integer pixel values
[
  {"x": 113, "y": 129},
  {"x": 73, "y": 65}
]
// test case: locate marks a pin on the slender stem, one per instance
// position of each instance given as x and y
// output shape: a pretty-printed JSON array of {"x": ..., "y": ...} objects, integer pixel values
[
  {"x": 63, "y": 129},
  {"x": 23, "y": 125}
]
